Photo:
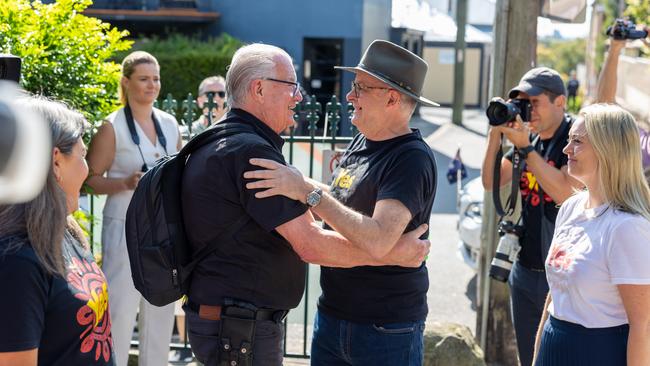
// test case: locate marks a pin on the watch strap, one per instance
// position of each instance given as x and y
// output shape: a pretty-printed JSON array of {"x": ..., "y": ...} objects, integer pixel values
[{"x": 525, "y": 151}]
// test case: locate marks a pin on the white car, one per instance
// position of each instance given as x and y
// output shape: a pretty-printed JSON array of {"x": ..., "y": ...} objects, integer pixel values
[{"x": 470, "y": 210}]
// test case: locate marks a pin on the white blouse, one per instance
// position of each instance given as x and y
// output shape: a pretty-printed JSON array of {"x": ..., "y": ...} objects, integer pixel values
[{"x": 127, "y": 157}]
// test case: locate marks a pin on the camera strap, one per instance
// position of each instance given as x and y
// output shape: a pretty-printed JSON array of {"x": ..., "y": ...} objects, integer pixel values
[
  {"x": 514, "y": 188},
  {"x": 130, "y": 122}
]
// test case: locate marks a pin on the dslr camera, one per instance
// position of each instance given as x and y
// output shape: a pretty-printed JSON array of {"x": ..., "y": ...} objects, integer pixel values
[
  {"x": 500, "y": 111},
  {"x": 624, "y": 29},
  {"x": 507, "y": 250},
  {"x": 25, "y": 140}
]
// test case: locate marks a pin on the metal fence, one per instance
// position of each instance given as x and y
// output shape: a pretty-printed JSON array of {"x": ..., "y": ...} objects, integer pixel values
[{"x": 321, "y": 129}]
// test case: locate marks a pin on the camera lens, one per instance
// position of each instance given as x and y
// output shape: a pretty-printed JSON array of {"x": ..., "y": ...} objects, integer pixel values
[
  {"x": 500, "y": 112},
  {"x": 502, "y": 262}
]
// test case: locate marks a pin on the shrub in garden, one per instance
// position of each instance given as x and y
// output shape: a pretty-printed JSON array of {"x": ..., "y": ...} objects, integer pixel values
[{"x": 65, "y": 54}]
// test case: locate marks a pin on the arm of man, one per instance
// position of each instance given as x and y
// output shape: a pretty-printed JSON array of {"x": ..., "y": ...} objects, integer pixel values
[
  {"x": 607, "y": 81},
  {"x": 376, "y": 235},
  {"x": 489, "y": 160},
  {"x": 556, "y": 182},
  {"x": 100, "y": 158},
  {"x": 636, "y": 300},
  {"x": 314, "y": 244},
  {"x": 329, "y": 248}
]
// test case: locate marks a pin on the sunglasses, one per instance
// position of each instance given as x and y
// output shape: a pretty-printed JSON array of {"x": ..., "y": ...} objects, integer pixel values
[{"x": 221, "y": 94}]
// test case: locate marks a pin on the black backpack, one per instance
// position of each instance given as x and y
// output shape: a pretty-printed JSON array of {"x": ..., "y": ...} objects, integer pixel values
[{"x": 160, "y": 255}]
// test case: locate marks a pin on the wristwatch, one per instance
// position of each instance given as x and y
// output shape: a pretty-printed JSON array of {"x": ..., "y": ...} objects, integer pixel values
[
  {"x": 523, "y": 153},
  {"x": 313, "y": 197}
]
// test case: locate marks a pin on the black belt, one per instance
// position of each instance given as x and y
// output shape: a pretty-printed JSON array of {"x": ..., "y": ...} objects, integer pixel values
[{"x": 261, "y": 314}]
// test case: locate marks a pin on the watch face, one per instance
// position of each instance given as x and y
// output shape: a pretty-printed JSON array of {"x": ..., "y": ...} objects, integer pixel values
[{"x": 313, "y": 198}]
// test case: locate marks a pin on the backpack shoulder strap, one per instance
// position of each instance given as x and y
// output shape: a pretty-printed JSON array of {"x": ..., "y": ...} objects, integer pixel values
[{"x": 214, "y": 133}]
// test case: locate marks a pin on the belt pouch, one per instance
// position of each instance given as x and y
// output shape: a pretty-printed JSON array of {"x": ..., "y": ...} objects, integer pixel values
[{"x": 237, "y": 334}]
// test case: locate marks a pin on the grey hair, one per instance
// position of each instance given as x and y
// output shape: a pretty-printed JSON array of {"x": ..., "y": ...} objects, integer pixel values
[
  {"x": 45, "y": 219},
  {"x": 251, "y": 62},
  {"x": 210, "y": 80}
]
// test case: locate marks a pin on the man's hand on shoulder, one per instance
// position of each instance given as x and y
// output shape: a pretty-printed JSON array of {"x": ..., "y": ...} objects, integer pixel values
[{"x": 278, "y": 179}]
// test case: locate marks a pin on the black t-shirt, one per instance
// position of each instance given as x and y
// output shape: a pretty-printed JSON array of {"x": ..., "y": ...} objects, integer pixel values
[
  {"x": 530, "y": 255},
  {"x": 66, "y": 319},
  {"x": 404, "y": 169},
  {"x": 258, "y": 266}
]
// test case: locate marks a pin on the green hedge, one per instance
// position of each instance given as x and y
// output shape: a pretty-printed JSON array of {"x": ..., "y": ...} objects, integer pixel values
[{"x": 185, "y": 61}]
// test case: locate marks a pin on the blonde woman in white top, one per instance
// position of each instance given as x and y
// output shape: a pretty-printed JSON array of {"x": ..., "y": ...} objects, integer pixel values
[
  {"x": 119, "y": 154},
  {"x": 598, "y": 267}
]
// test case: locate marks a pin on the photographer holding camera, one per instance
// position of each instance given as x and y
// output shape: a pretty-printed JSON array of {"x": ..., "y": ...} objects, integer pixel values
[
  {"x": 534, "y": 121},
  {"x": 621, "y": 31}
]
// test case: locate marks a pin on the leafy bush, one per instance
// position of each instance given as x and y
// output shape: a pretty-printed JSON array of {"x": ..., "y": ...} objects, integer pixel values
[
  {"x": 561, "y": 55},
  {"x": 639, "y": 11},
  {"x": 65, "y": 54},
  {"x": 185, "y": 61}
]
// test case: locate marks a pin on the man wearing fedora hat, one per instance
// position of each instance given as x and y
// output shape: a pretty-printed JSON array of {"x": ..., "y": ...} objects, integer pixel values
[
  {"x": 544, "y": 184},
  {"x": 384, "y": 186}
]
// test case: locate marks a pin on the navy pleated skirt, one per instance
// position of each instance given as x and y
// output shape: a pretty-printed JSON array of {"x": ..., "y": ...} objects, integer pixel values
[{"x": 570, "y": 344}]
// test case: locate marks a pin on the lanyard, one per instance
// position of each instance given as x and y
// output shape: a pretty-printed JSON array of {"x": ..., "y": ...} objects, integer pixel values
[{"x": 134, "y": 134}]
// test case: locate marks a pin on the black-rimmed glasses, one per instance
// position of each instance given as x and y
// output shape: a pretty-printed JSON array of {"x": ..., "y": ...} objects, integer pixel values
[
  {"x": 296, "y": 86},
  {"x": 357, "y": 87}
]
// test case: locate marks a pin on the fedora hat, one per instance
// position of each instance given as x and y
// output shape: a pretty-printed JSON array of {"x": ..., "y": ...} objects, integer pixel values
[{"x": 396, "y": 66}]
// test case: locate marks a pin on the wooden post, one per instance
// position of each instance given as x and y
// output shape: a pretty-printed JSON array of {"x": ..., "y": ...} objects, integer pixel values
[
  {"x": 515, "y": 49},
  {"x": 459, "y": 63}
]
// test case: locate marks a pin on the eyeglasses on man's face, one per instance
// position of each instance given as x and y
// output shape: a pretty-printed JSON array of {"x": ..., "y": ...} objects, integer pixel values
[
  {"x": 296, "y": 86},
  {"x": 221, "y": 94},
  {"x": 358, "y": 88}
]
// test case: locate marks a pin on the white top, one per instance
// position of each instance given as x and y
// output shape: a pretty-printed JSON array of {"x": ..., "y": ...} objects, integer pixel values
[
  {"x": 593, "y": 251},
  {"x": 127, "y": 158}
]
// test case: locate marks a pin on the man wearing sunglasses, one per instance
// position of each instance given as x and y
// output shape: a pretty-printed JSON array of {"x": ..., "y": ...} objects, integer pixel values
[
  {"x": 215, "y": 87},
  {"x": 241, "y": 292},
  {"x": 384, "y": 187}
]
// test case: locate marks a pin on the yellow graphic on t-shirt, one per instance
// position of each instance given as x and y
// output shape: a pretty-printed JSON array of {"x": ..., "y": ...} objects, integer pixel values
[
  {"x": 532, "y": 181},
  {"x": 98, "y": 302},
  {"x": 344, "y": 180}
]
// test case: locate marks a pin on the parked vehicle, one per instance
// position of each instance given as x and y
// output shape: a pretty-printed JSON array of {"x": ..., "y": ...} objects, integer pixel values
[{"x": 470, "y": 210}]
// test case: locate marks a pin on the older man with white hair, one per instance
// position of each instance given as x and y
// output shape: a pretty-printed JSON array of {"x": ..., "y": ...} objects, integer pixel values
[{"x": 241, "y": 292}]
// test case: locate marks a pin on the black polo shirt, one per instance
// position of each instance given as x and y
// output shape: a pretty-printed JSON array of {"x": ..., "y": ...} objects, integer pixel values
[{"x": 258, "y": 266}]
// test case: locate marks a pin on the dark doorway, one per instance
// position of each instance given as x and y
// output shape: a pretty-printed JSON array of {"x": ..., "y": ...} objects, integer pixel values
[{"x": 319, "y": 78}]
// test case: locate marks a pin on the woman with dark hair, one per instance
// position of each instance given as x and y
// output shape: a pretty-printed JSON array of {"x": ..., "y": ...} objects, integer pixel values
[
  {"x": 55, "y": 300},
  {"x": 598, "y": 266},
  {"x": 129, "y": 142}
]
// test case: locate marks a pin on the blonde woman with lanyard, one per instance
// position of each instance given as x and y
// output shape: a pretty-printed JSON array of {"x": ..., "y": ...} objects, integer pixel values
[
  {"x": 598, "y": 266},
  {"x": 131, "y": 140}
]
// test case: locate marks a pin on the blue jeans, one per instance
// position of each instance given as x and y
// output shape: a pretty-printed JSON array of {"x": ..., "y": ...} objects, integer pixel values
[
  {"x": 528, "y": 290},
  {"x": 204, "y": 337},
  {"x": 340, "y": 342}
]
